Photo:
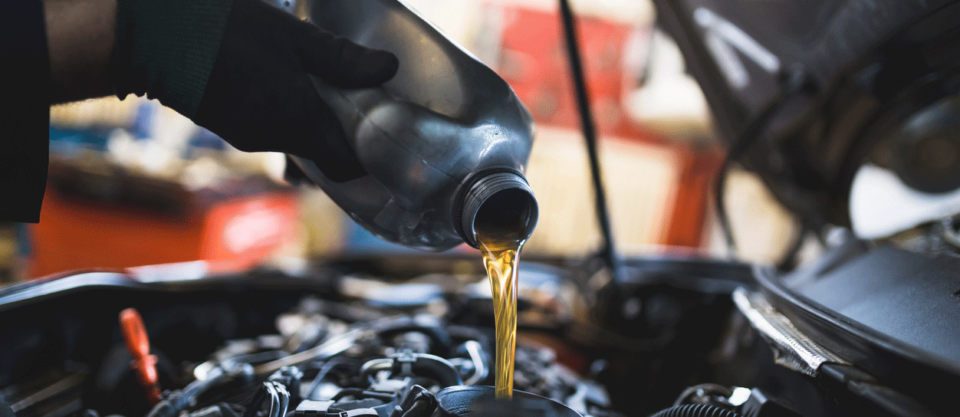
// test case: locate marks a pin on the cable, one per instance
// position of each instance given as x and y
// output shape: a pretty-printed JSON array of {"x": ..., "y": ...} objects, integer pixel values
[
  {"x": 478, "y": 358},
  {"x": 795, "y": 82},
  {"x": 284, "y": 400},
  {"x": 789, "y": 259},
  {"x": 590, "y": 136},
  {"x": 275, "y": 401},
  {"x": 333, "y": 345},
  {"x": 178, "y": 401},
  {"x": 324, "y": 370}
]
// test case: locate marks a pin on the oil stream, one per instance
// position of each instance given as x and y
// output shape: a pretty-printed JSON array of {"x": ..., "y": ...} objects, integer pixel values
[{"x": 501, "y": 259}]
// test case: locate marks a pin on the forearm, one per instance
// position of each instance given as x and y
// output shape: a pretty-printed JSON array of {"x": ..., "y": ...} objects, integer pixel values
[{"x": 80, "y": 38}]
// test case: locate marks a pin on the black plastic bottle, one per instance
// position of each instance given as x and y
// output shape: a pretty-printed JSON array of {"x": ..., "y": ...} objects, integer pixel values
[{"x": 444, "y": 140}]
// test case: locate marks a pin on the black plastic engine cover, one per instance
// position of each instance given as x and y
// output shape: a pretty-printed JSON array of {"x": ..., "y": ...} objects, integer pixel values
[
  {"x": 889, "y": 312},
  {"x": 909, "y": 297}
]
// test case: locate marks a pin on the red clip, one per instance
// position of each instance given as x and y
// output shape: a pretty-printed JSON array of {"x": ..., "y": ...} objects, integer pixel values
[{"x": 145, "y": 364}]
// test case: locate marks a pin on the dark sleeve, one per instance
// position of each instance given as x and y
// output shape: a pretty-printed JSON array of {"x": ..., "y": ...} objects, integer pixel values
[{"x": 24, "y": 109}]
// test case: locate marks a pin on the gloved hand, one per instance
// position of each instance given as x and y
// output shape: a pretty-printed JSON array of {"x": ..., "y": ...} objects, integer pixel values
[{"x": 240, "y": 68}]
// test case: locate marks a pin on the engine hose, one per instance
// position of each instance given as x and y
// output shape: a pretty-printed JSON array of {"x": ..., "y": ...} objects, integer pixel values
[
  {"x": 419, "y": 364},
  {"x": 179, "y": 401},
  {"x": 696, "y": 410}
]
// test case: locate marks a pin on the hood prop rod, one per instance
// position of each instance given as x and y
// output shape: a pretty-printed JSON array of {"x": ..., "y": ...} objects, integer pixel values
[{"x": 607, "y": 252}]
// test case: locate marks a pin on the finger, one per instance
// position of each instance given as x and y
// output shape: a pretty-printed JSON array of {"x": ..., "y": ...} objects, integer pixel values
[{"x": 344, "y": 63}]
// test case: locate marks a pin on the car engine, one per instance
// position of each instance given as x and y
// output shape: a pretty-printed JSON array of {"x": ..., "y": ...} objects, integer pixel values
[
  {"x": 251, "y": 350},
  {"x": 412, "y": 336}
]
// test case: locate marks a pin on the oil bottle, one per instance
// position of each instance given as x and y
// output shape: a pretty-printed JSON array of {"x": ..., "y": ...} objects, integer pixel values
[{"x": 439, "y": 141}]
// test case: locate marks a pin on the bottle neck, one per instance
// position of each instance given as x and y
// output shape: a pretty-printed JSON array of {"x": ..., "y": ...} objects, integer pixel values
[{"x": 499, "y": 203}]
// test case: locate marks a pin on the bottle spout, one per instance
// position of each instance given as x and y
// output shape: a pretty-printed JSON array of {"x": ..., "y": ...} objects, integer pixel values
[{"x": 499, "y": 204}]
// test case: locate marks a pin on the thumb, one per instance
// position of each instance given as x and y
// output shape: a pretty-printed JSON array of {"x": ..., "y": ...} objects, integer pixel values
[{"x": 344, "y": 63}]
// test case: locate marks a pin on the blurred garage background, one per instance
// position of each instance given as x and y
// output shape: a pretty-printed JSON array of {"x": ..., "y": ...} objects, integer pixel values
[{"x": 133, "y": 183}]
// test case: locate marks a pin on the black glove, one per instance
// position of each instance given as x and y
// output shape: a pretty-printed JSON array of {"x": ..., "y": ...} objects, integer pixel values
[{"x": 256, "y": 92}]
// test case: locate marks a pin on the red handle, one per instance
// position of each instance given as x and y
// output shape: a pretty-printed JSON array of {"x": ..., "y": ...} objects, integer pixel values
[
  {"x": 134, "y": 333},
  {"x": 145, "y": 364}
]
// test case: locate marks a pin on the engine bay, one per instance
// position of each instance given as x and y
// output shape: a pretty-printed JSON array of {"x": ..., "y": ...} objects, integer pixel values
[
  {"x": 268, "y": 344},
  {"x": 413, "y": 336},
  {"x": 340, "y": 340}
]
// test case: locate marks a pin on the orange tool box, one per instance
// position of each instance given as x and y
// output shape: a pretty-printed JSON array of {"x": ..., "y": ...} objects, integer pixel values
[{"x": 94, "y": 220}]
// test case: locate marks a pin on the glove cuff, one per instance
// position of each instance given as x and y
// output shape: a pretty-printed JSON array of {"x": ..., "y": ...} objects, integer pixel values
[{"x": 167, "y": 49}]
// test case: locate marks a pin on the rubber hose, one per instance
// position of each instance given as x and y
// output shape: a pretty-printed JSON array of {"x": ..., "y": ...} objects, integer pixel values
[
  {"x": 182, "y": 400},
  {"x": 696, "y": 410}
]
